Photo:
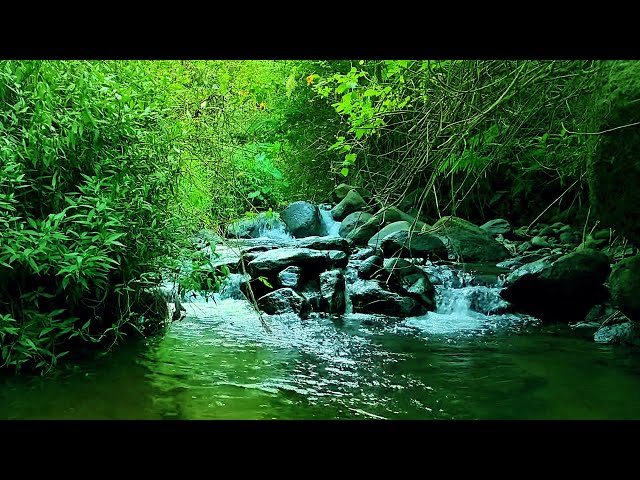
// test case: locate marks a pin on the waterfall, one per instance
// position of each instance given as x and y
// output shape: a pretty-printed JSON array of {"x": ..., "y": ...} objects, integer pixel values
[{"x": 330, "y": 227}]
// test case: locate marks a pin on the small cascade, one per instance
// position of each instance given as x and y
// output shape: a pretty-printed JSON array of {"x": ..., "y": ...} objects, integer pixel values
[
  {"x": 231, "y": 287},
  {"x": 275, "y": 232},
  {"x": 460, "y": 304},
  {"x": 330, "y": 227}
]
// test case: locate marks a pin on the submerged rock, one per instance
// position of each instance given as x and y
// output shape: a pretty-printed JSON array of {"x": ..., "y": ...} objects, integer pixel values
[{"x": 302, "y": 219}]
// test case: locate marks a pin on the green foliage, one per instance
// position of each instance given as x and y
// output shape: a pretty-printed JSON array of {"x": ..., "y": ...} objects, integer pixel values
[
  {"x": 460, "y": 126},
  {"x": 87, "y": 176}
]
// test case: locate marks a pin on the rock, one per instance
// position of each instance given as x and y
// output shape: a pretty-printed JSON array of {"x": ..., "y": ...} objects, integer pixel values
[
  {"x": 547, "y": 230},
  {"x": 352, "y": 221},
  {"x": 561, "y": 291},
  {"x": 361, "y": 234},
  {"x": 370, "y": 266},
  {"x": 405, "y": 278},
  {"x": 468, "y": 241},
  {"x": 627, "y": 333},
  {"x": 369, "y": 296},
  {"x": 324, "y": 243},
  {"x": 569, "y": 237},
  {"x": 497, "y": 226},
  {"x": 290, "y": 277},
  {"x": 284, "y": 300},
  {"x": 332, "y": 289},
  {"x": 256, "y": 227},
  {"x": 349, "y": 204},
  {"x": 590, "y": 244},
  {"x": 337, "y": 259},
  {"x": 613, "y": 170},
  {"x": 603, "y": 234},
  {"x": 539, "y": 242},
  {"x": 417, "y": 245},
  {"x": 522, "y": 233},
  {"x": 342, "y": 190},
  {"x": 523, "y": 247},
  {"x": 393, "y": 214},
  {"x": 365, "y": 252},
  {"x": 376, "y": 240},
  {"x": 272, "y": 261},
  {"x": 624, "y": 285},
  {"x": 302, "y": 219}
]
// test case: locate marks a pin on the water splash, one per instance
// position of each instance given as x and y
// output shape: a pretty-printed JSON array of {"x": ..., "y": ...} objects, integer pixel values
[
  {"x": 276, "y": 231},
  {"x": 462, "y": 306}
]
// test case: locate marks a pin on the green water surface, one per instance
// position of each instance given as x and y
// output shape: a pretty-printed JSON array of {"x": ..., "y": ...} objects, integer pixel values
[{"x": 219, "y": 363}]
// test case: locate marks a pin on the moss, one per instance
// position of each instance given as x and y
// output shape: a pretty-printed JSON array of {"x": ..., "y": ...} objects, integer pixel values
[{"x": 614, "y": 166}]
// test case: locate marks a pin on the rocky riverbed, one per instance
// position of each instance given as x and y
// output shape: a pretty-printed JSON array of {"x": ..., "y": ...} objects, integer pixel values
[{"x": 352, "y": 256}]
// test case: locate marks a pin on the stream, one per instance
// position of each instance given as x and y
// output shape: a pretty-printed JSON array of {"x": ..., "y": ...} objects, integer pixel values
[{"x": 462, "y": 361}]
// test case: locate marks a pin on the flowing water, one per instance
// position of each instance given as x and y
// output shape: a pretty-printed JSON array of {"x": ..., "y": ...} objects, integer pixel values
[{"x": 467, "y": 360}]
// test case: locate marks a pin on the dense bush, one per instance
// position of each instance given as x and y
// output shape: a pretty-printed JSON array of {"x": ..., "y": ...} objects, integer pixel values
[{"x": 87, "y": 173}]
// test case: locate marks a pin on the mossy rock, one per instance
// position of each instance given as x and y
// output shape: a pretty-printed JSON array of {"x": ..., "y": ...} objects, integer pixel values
[
  {"x": 613, "y": 169},
  {"x": 624, "y": 285}
]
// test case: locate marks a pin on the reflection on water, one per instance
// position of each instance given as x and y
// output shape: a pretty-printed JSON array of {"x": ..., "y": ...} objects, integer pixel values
[{"x": 218, "y": 363}]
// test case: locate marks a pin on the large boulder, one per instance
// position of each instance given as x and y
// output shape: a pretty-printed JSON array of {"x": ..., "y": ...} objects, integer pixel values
[
  {"x": 405, "y": 278},
  {"x": 399, "y": 226},
  {"x": 349, "y": 204},
  {"x": 468, "y": 241},
  {"x": 332, "y": 289},
  {"x": 624, "y": 285},
  {"x": 273, "y": 261},
  {"x": 352, "y": 221},
  {"x": 416, "y": 245},
  {"x": 284, "y": 300},
  {"x": 560, "y": 291},
  {"x": 369, "y": 296},
  {"x": 302, "y": 219},
  {"x": 613, "y": 169}
]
